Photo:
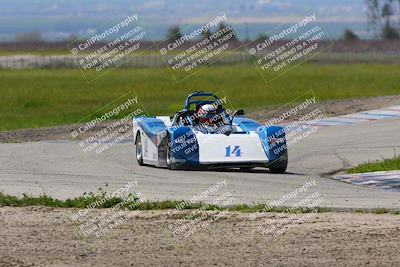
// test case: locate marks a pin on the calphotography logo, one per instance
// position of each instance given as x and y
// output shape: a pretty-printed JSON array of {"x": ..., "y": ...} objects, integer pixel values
[
  {"x": 109, "y": 125},
  {"x": 112, "y": 45},
  {"x": 274, "y": 53},
  {"x": 208, "y": 43},
  {"x": 93, "y": 222},
  {"x": 208, "y": 212}
]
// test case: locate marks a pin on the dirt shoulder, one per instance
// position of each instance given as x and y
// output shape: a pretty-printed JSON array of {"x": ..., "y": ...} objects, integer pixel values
[
  {"x": 330, "y": 108},
  {"x": 333, "y": 108},
  {"x": 53, "y": 133},
  {"x": 40, "y": 236}
]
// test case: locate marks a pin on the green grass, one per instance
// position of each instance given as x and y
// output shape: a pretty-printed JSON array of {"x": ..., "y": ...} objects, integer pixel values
[
  {"x": 85, "y": 200},
  {"x": 39, "y": 98},
  {"x": 379, "y": 165},
  {"x": 61, "y": 52}
]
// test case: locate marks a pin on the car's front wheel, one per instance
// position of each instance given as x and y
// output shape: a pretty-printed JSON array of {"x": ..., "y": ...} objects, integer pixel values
[
  {"x": 170, "y": 160},
  {"x": 280, "y": 165},
  {"x": 139, "y": 150}
]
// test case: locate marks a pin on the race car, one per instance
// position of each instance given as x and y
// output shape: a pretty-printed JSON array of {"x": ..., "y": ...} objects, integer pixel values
[{"x": 205, "y": 134}]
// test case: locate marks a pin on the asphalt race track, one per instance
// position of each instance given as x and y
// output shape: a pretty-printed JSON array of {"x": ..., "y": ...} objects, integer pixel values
[{"x": 61, "y": 169}]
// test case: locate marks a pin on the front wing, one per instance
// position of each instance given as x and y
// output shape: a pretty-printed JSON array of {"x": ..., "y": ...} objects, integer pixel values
[{"x": 247, "y": 149}]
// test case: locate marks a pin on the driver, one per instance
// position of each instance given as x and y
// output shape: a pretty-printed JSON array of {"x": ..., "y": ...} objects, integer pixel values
[
  {"x": 210, "y": 119},
  {"x": 207, "y": 114}
]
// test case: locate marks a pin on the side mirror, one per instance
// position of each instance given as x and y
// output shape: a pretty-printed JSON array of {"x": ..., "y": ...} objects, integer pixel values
[{"x": 240, "y": 112}]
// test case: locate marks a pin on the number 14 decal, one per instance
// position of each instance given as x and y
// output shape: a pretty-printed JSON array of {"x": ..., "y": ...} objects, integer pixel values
[{"x": 236, "y": 152}]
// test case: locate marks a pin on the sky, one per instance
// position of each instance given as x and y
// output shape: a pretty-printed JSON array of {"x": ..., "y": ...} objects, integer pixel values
[{"x": 57, "y": 19}]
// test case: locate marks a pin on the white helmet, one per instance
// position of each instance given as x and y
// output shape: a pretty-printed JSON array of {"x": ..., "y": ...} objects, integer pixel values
[{"x": 206, "y": 112}]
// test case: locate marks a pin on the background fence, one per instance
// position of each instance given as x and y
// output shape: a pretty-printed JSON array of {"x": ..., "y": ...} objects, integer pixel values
[
  {"x": 155, "y": 60},
  {"x": 139, "y": 61}
]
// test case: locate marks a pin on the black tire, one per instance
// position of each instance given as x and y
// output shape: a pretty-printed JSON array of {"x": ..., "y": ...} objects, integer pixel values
[
  {"x": 139, "y": 150},
  {"x": 168, "y": 154},
  {"x": 246, "y": 169},
  {"x": 280, "y": 165}
]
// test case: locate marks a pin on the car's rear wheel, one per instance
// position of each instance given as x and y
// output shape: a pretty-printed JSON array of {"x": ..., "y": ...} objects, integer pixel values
[
  {"x": 280, "y": 165},
  {"x": 139, "y": 150}
]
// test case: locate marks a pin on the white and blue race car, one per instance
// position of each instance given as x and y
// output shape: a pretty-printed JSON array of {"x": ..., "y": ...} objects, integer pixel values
[{"x": 206, "y": 135}]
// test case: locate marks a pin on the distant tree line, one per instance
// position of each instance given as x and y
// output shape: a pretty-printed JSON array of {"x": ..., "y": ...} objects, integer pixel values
[
  {"x": 174, "y": 33},
  {"x": 29, "y": 37},
  {"x": 384, "y": 18}
]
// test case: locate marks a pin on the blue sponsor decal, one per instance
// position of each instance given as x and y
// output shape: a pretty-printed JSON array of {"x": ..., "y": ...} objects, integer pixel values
[{"x": 185, "y": 148}]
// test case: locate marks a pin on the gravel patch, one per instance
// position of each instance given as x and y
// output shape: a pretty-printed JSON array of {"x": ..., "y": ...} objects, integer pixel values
[{"x": 41, "y": 236}]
